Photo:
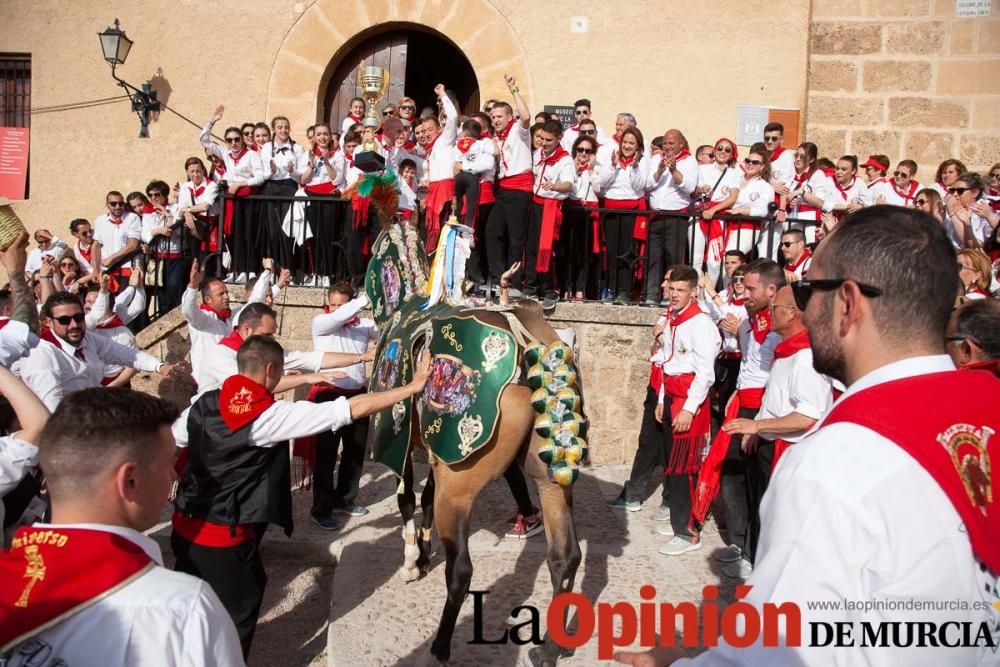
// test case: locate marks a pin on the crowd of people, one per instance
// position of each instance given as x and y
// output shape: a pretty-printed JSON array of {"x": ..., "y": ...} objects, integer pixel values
[{"x": 806, "y": 310}]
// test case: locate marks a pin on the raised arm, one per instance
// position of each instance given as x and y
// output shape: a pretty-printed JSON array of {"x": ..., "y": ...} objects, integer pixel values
[
  {"x": 450, "y": 130},
  {"x": 206, "y": 133},
  {"x": 327, "y": 323},
  {"x": 524, "y": 114},
  {"x": 101, "y": 304}
]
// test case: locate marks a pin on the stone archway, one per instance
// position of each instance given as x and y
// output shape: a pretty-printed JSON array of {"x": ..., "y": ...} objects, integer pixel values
[{"x": 329, "y": 29}]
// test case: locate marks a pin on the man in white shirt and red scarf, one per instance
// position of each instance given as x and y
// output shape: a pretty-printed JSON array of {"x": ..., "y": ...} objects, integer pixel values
[
  {"x": 237, "y": 479},
  {"x": 892, "y": 497},
  {"x": 506, "y": 227},
  {"x": 90, "y": 588},
  {"x": 796, "y": 254},
  {"x": 691, "y": 343},
  {"x": 795, "y": 397},
  {"x": 782, "y": 160},
  {"x": 553, "y": 181},
  {"x": 726, "y": 466},
  {"x": 439, "y": 152},
  {"x": 118, "y": 234}
]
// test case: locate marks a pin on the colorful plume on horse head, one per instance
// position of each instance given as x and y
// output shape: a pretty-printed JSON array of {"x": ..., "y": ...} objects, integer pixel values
[{"x": 382, "y": 188}]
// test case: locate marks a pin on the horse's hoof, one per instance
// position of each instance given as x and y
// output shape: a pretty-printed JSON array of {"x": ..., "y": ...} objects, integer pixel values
[
  {"x": 408, "y": 574},
  {"x": 428, "y": 659}
]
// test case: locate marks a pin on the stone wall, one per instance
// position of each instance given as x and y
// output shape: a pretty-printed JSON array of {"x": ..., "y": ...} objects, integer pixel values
[
  {"x": 905, "y": 78},
  {"x": 612, "y": 342}
]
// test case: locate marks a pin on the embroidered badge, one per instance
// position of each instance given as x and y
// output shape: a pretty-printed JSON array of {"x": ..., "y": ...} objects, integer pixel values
[
  {"x": 469, "y": 430},
  {"x": 495, "y": 347},
  {"x": 966, "y": 445}
]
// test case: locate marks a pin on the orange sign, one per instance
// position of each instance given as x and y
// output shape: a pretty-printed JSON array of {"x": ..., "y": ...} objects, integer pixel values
[{"x": 13, "y": 162}]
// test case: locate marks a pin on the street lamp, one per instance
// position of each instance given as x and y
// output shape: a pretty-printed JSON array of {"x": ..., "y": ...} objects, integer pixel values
[{"x": 116, "y": 46}]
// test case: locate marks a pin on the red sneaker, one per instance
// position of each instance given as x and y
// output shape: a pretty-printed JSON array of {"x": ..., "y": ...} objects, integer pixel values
[{"x": 526, "y": 527}]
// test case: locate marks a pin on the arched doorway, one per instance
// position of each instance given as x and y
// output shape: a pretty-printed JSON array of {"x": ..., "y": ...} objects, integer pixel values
[{"x": 417, "y": 59}]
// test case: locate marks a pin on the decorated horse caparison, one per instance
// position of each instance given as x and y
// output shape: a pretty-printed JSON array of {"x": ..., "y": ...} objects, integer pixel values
[{"x": 503, "y": 387}]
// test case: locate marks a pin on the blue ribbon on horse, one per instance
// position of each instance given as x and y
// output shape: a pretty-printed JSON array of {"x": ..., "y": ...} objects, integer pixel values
[{"x": 449, "y": 258}]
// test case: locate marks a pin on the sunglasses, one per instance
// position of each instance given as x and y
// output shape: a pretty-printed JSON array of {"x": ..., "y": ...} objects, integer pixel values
[
  {"x": 959, "y": 339},
  {"x": 710, "y": 156},
  {"x": 789, "y": 244},
  {"x": 581, "y": 112},
  {"x": 995, "y": 177},
  {"x": 965, "y": 267},
  {"x": 776, "y": 137},
  {"x": 588, "y": 132},
  {"x": 408, "y": 107},
  {"x": 723, "y": 149},
  {"x": 803, "y": 290},
  {"x": 89, "y": 232},
  {"x": 586, "y": 151},
  {"x": 66, "y": 319},
  {"x": 248, "y": 133},
  {"x": 900, "y": 174},
  {"x": 921, "y": 202},
  {"x": 233, "y": 140},
  {"x": 737, "y": 279},
  {"x": 753, "y": 162},
  {"x": 116, "y": 203},
  {"x": 958, "y": 191},
  {"x": 388, "y": 112}
]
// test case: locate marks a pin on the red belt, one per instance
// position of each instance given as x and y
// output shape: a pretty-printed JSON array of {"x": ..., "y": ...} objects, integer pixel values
[
  {"x": 523, "y": 182},
  {"x": 321, "y": 188},
  {"x": 206, "y": 534}
]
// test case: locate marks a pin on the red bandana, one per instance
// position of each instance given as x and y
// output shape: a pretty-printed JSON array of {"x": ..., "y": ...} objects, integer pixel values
[
  {"x": 760, "y": 325},
  {"x": 801, "y": 179},
  {"x": 318, "y": 152},
  {"x": 793, "y": 267},
  {"x": 356, "y": 119},
  {"x": 241, "y": 400},
  {"x": 232, "y": 341},
  {"x": 737, "y": 300},
  {"x": 197, "y": 191},
  {"x": 223, "y": 315},
  {"x": 112, "y": 323},
  {"x": 843, "y": 191},
  {"x": 777, "y": 153},
  {"x": 830, "y": 171},
  {"x": 907, "y": 196},
  {"x": 557, "y": 155},
  {"x": 236, "y": 157},
  {"x": 86, "y": 254},
  {"x": 464, "y": 144},
  {"x": 792, "y": 344},
  {"x": 682, "y": 154},
  {"x": 45, "y": 583},
  {"x": 626, "y": 162}
]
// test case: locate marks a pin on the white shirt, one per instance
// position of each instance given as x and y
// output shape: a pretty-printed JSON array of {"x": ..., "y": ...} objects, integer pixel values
[
  {"x": 571, "y": 134},
  {"x": 330, "y": 335},
  {"x": 246, "y": 167},
  {"x": 441, "y": 159},
  {"x": 205, "y": 329},
  {"x": 221, "y": 364},
  {"x": 850, "y": 515},
  {"x": 755, "y": 194},
  {"x": 56, "y": 250},
  {"x": 18, "y": 458},
  {"x": 783, "y": 168},
  {"x": 284, "y": 421},
  {"x": 346, "y": 124},
  {"x": 407, "y": 194},
  {"x": 347, "y": 173},
  {"x": 709, "y": 174},
  {"x": 818, "y": 184},
  {"x": 795, "y": 386},
  {"x": 53, "y": 371},
  {"x": 893, "y": 195},
  {"x": 162, "y": 244},
  {"x": 757, "y": 357},
  {"x": 162, "y": 618},
  {"x": 617, "y": 182},
  {"x": 281, "y": 155},
  {"x": 665, "y": 194},
  {"x": 730, "y": 342},
  {"x": 319, "y": 174},
  {"x": 691, "y": 348},
  {"x": 979, "y": 228},
  {"x": 16, "y": 340},
  {"x": 479, "y": 159},
  {"x": 85, "y": 266},
  {"x": 854, "y": 193},
  {"x": 562, "y": 171},
  {"x": 583, "y": 186},
  {"x": 129, "y": 304},
  {"x": 113, "y": 237},
  {"x": 515, "y": 150}
]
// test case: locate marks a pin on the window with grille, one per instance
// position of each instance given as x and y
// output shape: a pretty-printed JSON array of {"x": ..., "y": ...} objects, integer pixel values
[{"x": 15, "y": 93}]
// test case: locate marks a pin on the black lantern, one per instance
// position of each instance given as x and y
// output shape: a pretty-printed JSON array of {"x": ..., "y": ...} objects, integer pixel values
[{"x": 116, "y": 46}]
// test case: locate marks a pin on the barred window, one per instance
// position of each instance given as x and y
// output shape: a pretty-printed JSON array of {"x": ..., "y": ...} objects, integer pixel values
[{"x": 15, "y": 93}]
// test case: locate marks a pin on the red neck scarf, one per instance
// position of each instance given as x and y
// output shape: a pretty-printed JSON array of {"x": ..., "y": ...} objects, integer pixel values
[
  {"x": 843, "y": 191},
  {"x": 907, "y": 196},
  {"x": 113, "y": 323},
  {"x": 233, "y": 340},
  {"x": 760, "y": 325},
  {"x": 626, "y": 162},
  {"x": 241, "y": 400},
  {"x": 430, "y": 144},
  {"x": 736, "y": 300},
  {"x": 831, "y": 172},
  {"x": 236, "y": 157},
  {"x": 353, "y": 322},
  {"x": 197, "y": 191},
  {"x": 318, "y": 152},
  {"x": 46, "y": 583},
  {"x": 792, "y": 344},
  {"x": 992, "y": 365},
  {"x": 801, "y": 179},
  {"x": 356, "y": 119},
  {"x": 223, "y": 315},
  {"x": 674, "y": 320},
  {"x": 556, "y": 155},
  {"x": 464, "y": 144},
  {"x": 799, "y": 262},
  {"x": 349, "y": 159},
  {"x": 777, "y": 153},
  {"x": 682, "y": 154},
  {"x": 86, "y": 254},
  {"x": 113, "y": 220}
]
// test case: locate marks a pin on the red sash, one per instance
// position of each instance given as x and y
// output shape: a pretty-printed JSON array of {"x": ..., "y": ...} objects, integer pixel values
[
  {"x": 641, "y": 221},
  {"x": 685, "y": 451},
  {"x": 439, "y": 194},
  {"x": 947, "y": 422},
  {"x": 486, "y": 195},
  {"x": 523, "y": 182},
  {"x": 44, "y": 582},
  {"x": 327, "y": 188},
  {"x": 206, "y": 534},
  {"x": 552, "y": 217},
  {"x": 711, "y": 469}
]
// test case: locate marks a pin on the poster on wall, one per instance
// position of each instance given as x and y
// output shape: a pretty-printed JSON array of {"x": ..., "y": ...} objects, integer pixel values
[
  {"x": 566, "y": 113},
  {"x": 972, "y": 8},
  {"x": 13, "y": 162}
]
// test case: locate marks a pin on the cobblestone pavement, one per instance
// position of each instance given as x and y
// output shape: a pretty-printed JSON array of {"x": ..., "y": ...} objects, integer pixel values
[{"x": 376, "y": 619}]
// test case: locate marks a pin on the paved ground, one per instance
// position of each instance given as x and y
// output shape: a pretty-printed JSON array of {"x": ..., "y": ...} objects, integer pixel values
[{"x": 334, "y": 597}]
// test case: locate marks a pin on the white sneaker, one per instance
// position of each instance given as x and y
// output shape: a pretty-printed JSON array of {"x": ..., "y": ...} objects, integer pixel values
[
  {"x": 661, "y": 513},
  {"x": 729, "y": 554},
  {"x": 326, "y": 281},
  {"x": 665, "y": 529},
  {"x": 740, "y": 569},
  {"x": 241, "y": 278},
  {"x": 678, "y": 545}
]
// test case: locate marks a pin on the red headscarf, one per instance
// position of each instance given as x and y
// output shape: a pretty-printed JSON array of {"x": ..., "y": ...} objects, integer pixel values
[{"x": 736, "y": 150}]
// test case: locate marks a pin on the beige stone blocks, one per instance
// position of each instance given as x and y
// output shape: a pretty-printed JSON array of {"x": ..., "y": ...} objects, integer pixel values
[
  {"x": 929, "y": 149},
  {"x": 847, "y": 38},
  {"x": 917, "y": 37},
  {"x": 969, "y": 77},
  {"x": 833, "y": 75},
  {"x": 989, "y": 35},
  {"x": 831, "y": 143},
  {"x": 921, "y": 111},
  {"x": 980, "y": 151},
  {"x": 836, "y": 7},
  {"x": 892, "y": 75},
  {"x": 897, "y": 8},
  {"x": 962, "y": 38},
  {"x": 842, "y": 110},
  {"x": 986, "y": 114},
  {"x": 874, "y": 142}
]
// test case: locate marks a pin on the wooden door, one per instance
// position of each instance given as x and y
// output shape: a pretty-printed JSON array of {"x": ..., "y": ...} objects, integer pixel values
[{"x": 387, "y": 51}]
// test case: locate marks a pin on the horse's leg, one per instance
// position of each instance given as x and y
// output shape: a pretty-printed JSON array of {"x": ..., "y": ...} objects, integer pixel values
[
  {"x": 407, "y": 501},
  {"x": 453, "y": 519},
  {"x": 427, "y": 507}
]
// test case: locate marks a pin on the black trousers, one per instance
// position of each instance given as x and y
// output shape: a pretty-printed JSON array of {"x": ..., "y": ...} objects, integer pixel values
[
  {"x": 354, "y": 438},
  {"x": 279, "y": 245},
  {"x": 758, "y": 467},
  {"x": 735, "y": 489},
  {"x": 236, "y": 574},
  {"x": 727, "y": 371},
  {"x": 467, "y": 188},
  {"x": 324, "y": 217},
  {"x": 476, "y": 266},
  {"x": 665, "y": 247},
  {"x": 679, "y": 487},
  {"x": 518, "y": 488},
  {"x": 651, "y": 452},
  {"x": 535, "y": 281},
  {"x": 575, "y": 249},
  {"x": 175, "y": 280},
  {"x": 505, "y": 232},
  {"x": 246, "y": 241},
  {"x": 619, "y": 234}
]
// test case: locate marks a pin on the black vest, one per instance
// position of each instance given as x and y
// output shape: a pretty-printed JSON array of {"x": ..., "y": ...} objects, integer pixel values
[{"x": 228, "y": 481}]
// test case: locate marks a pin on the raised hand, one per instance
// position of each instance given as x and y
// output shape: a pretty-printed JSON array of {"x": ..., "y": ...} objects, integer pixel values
[
  {"x": 439, "y": 89},
  {"x": 196, "y": 275},
  {"x": 217, "y": 116},
  {"x": 509, "y": 80}
]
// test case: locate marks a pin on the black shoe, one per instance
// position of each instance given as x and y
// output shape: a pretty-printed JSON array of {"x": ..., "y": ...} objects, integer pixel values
[
  {"x": 549, "y": 302},
  {"x": 622, "y": 299},
  {"x": 606, "y": 295},
  {"x": 326, "y": 523}
]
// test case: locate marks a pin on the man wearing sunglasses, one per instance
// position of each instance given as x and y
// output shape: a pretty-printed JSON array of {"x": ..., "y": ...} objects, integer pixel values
[
  {"x": 901, "y": 189},
  {"x": 796, "y": 254},
  {"x": 69, "y": 360},
  {"x": 581, "y": 112},
  {"x": 973, "y": 335},
  {"x": 118, "y": 233},
  {"x": 782, "y": 160},
  {"x": 888, "y": 499},
  {"x": 48, "y": 246}
]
